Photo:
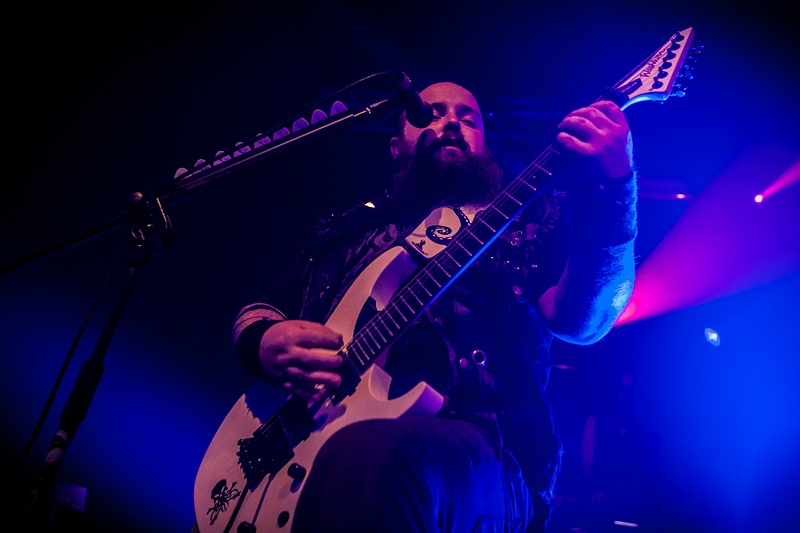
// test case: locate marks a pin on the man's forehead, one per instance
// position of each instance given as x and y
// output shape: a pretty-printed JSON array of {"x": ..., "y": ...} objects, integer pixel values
[{"x": 448, "y": 92}]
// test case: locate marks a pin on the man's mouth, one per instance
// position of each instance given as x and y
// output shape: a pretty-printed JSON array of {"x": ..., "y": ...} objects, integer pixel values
[{"x": 456, "y": 142}]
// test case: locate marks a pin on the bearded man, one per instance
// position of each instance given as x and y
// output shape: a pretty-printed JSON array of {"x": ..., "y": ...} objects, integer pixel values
[{"x": 489, "y": 459}]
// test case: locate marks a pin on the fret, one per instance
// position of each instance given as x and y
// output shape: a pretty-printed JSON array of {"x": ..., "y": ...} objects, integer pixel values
[
  {"x": 540, "y": 167},
  {"x": 421, "y": 296},
  {"x": 430, "y": 277},
  {"x": 482, "y": 221},
  {"x": 378, "y": 331},
  {"x": 431, "y": 285},
  {"x": 402, "y": 299},
  {"x": 362, "y": 361},
  {"x": 522, "y": 196},
  {"x": 527, "y": 184},
  {"x": 510, "y": 208},
  {"x": 382, "y": 322},
  {"x": 466, "y": 251},
  {"x": 470, "y": 234},
  {"x": 369, "y": 337},
  {"x": 494, "y": 209},
  {"x": 370, "y": 354},
  {"x": 443, "y": 269},
  {"x": 496, "y": 220},
  {"x": 356, "y": 351},
  {"x": 506, "y": 193},
  {"x": 482, "y": 233},
  {"x": 414, "y": 294},
  {"x": 448, "y": 264},
  {"x": 363, "y": 344},
  {"x": 391, "y": 307}
]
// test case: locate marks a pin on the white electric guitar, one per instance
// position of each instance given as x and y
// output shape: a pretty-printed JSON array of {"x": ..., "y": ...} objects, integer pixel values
[{"x": 255, "y": 467}]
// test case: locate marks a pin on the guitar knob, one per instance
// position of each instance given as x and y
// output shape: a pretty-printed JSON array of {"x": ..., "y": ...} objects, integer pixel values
[
  {"x": 296, "y": 472},
  {"x": 245, "y": 527}
]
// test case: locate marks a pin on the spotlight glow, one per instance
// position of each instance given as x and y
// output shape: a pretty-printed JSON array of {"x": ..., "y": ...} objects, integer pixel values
[
  {"x": 759, "y": 198},
  {"x": 712, "y": 336}
]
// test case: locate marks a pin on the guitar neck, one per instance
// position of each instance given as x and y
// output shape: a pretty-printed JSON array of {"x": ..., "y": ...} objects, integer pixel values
[
  {"x": 657, "y": 78},
  {"x": 431, "y": 280}
]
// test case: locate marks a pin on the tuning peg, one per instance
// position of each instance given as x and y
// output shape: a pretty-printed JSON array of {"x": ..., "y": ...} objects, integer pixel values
[
  {"x": 657, "y": 84},
  {"x": 180, "y": 172},
  {"x": 318, "y": 115}
]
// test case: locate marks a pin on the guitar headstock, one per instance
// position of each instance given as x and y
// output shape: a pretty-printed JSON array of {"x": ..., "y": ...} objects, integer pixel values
[{"x": 663, "y": 74}]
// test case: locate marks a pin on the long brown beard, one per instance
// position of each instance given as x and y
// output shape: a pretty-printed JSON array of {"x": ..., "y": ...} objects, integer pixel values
[{"x": 425, "y": 180}]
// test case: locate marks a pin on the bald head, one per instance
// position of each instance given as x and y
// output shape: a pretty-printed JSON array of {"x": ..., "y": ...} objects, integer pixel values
[{"x": 457, "y": 125}]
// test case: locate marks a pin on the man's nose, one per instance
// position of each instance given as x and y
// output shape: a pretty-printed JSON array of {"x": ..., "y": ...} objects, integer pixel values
[{"x": 451, "y": 123}]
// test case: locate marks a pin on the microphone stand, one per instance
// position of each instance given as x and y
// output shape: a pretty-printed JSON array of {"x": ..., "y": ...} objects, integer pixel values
[{"x": 150, "y": 231}]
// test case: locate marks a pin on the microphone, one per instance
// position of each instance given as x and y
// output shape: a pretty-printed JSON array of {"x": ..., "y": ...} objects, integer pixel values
[{"x": 418, "y": 112}]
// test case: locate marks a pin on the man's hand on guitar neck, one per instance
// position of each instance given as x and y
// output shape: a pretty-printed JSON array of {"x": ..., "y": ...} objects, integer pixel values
[
  {"x": 299, "y": 355},
  {"x": 600, "y": 133}
]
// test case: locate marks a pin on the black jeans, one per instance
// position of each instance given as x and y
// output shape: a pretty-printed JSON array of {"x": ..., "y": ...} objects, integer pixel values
[{"x": 416, "y": 474}]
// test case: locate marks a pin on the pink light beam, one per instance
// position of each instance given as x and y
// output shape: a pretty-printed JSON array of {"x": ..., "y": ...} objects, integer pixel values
[{"x": 725, "y": 243}]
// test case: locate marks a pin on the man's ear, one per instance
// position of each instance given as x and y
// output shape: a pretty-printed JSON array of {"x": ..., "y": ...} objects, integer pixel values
[{"x": 394, "y": 146}]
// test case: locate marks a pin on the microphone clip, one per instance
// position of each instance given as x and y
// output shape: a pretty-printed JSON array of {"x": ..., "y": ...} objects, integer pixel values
[{"x": 419, "y": 113}]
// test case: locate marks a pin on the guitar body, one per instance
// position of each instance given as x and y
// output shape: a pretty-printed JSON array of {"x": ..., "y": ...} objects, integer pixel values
[{"x": 220, "y": 482}]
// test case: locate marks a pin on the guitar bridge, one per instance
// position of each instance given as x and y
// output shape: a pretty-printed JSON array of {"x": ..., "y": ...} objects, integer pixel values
[{"x": 271, "y": 446}]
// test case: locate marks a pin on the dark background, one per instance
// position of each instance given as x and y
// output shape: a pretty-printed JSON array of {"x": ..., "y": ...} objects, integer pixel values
[{"x": 108, "y": 100}]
